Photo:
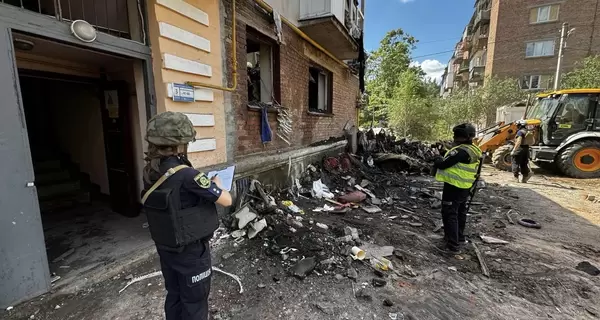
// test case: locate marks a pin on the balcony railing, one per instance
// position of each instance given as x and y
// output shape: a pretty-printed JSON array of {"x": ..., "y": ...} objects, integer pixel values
[
  {"x": 482, "y": 16},
  {"x": 108, "y": 16}
]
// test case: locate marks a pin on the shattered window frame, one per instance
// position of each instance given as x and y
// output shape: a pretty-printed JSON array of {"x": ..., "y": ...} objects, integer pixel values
[
  {"x": 323, "y": 105},
  {"x": 272, "y": 85}
]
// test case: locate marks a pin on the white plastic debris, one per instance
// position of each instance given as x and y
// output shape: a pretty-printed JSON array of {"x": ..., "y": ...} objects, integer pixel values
[
  {"x": 322, "y": 226},
  {"x": 492, "y": 240},
  {"x": 325, "y": 208},
  {"x": 9, "y": 308},
  {"x": 320, "y": 190}
]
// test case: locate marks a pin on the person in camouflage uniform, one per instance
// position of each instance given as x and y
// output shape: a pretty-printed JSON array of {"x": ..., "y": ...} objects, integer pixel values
[{"x": 187, "y": 268}]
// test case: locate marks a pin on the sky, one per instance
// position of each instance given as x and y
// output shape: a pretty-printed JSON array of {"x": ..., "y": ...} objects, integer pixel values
[{"x": 437, "y": 24}]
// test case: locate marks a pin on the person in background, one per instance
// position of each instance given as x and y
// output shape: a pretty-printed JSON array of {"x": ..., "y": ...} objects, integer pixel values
[
  {"x": 179, "y": 202},
  {"x": 520, "y": 154},
  {"x": 458, "y": 171}
]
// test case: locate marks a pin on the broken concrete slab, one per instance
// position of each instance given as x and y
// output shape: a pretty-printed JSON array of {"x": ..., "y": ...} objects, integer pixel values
[
  {"x": 244, "y": 216},
  {"x": 256, "y": 227},
  {"x": 371, "y": 209}
]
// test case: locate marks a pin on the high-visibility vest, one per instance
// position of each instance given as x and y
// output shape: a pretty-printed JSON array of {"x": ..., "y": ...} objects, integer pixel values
[{"x": 461, "y": 175}]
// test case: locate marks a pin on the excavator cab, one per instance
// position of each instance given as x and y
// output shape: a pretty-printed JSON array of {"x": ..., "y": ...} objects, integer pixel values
[{"x": 569, "y": 132}]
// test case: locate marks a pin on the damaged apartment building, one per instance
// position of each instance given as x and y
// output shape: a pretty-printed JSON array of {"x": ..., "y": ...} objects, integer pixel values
[{"x": 268, "y": 84}]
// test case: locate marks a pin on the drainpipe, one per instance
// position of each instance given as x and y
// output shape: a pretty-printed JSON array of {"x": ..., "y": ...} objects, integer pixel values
[
  {"x": 303, "y": 35},
  {"x": 233, "y": 59}
]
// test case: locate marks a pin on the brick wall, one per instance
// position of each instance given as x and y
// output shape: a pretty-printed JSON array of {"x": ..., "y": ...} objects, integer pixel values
[
  {"x": 295, "y": 56},
  {"x": 510, "y": 30}
]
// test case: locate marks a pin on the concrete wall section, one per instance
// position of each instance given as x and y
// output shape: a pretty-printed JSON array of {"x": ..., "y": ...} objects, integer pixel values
[
  {"x": 186, "y": 46},
  {"x": 295, "y": 57}
]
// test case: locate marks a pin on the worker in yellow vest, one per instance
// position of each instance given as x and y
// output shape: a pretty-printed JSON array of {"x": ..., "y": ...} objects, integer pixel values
[{"x": 458, "y": 171}]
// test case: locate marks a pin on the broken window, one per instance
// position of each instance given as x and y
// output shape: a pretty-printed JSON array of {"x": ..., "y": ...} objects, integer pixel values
[
  {"x": 320, "y": 90},
  {"x": 261, "y": 54}
]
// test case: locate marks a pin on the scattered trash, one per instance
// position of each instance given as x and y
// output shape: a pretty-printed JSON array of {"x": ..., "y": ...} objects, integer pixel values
[
  {"x": 369, "y": 193},
  {"x": 238, "y": 234},
  {"x": 322, "y": 226},
  {"x": 491, "y": 240},
  {"x": 588, "y": 268},
  {"x": 320, "y": 190},
  {"x": 371, "y": 209},
  {"x": 325, "y": 208},
  {"x": 57, "y": 307},
  {"x": 358, "y": 253},
  {"x": 378, "y": 282},
  {"x": 9, "y": 308},
  {"x": 292, "y": 207},
  {"x": 353, "y": 197},
  {"x": 54, "y": 279},
  {"x": 415, "y": 224},
  {"x": 452, "y": 269},
  {"x": 382, "y": 264},
  {"x": 393, "y": 316},
  {"x": 303, "y": 267}
]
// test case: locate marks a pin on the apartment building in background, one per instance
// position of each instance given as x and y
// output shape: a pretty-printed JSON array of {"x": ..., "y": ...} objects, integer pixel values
[{"x": 520, "y": 39}]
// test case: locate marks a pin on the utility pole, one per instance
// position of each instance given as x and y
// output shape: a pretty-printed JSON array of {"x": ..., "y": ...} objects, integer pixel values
[{"x": 563, "y": 35}]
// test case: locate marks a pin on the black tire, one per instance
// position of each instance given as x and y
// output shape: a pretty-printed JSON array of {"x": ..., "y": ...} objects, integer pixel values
[
  {"x": 569, "y": 163},
  {"x": 501, "y": 158},
  {"x": 546, "y": 166},
  {"x": 530, "y": 223}
]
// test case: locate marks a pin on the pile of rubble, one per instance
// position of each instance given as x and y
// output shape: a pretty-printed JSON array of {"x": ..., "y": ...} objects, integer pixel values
[
  {"x": 305, "y": 224},
  {"x": 383, "y": 150}
]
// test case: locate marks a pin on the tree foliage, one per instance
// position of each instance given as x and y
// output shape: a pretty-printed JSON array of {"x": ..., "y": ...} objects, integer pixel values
[
  {"x": 403, "y": 98},
  {"x": 585, "y": 75},
  {"x": 384, "y": 67}
]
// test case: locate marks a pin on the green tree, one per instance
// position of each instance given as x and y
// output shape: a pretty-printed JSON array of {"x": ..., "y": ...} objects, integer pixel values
[
  {"x": 384, "y": 67},
  {"x": 585, "y": 75},
  {"x": 412, "y": 110}
]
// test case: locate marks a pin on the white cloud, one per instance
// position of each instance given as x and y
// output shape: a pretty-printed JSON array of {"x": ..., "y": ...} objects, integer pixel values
[
  {"x": 406, "y": 1},
  {"x": 433, "y": 69}
]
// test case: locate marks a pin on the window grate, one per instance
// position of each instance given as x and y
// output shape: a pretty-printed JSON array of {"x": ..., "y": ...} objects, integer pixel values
[{"x": 107, "y": 16}]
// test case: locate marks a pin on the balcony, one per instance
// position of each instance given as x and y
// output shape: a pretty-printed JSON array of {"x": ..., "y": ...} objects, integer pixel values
[
  {"x": 333, "y": 24},
  {"x": 483, "y": 16},
  {"x": 476, "y": 73}
]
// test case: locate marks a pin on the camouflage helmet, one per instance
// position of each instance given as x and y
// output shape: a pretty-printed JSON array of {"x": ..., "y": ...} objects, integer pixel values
[{"x": 170, "y": 129}]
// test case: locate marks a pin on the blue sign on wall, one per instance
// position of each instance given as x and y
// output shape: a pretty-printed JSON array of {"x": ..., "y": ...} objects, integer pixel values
[{"x": 183, "y": 93}]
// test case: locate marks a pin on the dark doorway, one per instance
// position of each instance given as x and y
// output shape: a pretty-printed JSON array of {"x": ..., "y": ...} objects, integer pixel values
[{"x": 80, "y": 143}]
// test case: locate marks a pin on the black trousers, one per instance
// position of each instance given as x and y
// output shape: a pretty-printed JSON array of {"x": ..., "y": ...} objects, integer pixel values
[
  {"x": 187, "y": 280},
  {"x": 520, "y": 162},
  {"x": 454, "y": 214}
]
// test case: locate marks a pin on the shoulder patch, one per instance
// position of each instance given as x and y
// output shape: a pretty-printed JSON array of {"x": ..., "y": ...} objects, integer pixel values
[{"x": 202, "y": 180}]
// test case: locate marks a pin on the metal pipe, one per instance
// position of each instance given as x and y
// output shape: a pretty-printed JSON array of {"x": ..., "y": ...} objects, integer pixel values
[
  {"x": 233, "y": 60},
  {"x": 303, "y": 35}
]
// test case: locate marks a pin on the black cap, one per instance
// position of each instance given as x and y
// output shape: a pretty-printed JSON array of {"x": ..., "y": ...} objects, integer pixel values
[{"x": 465, "y": 130}]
